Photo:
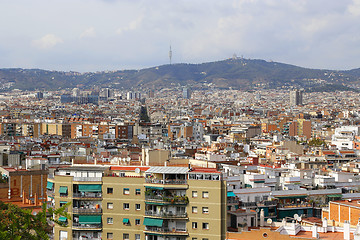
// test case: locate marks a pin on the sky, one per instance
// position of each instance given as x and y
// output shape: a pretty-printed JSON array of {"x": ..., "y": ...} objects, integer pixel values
[{"x": 99, "y": 35}]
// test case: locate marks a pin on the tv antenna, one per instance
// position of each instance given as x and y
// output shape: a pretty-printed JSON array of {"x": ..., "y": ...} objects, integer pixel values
[{"x": 170, "y": 54}]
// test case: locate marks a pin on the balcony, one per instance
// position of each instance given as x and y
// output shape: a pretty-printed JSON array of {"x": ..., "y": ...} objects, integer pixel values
[
  {"x": 87, "y": 179},
  {"x": 232, "y": 201},
  {"x": 167, "y": 199},
  {"x": 174, "y": 231},
  {"x": 87, "y": 195},
  {"x": 295, "y": 205},
  {"x": 166, "y": 214},
  {"x": 87, "y": 226},
  {"x": 162, "y": 181},
  {"x": 87, "y": 210}
]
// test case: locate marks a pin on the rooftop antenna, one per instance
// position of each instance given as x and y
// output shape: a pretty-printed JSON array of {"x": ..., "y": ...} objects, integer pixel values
[{"x": 170, "y": 54}]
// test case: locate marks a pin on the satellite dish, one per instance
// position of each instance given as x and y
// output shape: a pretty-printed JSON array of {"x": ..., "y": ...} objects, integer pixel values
[
  {"x": 257, "y": 210},
  {"x": 137, "y": 170},
  {"x": 269, "y": 221},
  {"x": 296, "y": 216}
]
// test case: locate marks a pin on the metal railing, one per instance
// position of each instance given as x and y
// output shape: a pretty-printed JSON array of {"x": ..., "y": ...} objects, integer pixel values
[
  {"x": 161, "y": 181},
  {"x": 300, "y": 205},
  {"x": 173, "y": 200},
  {"x": 78, "y": 225},
  {"x": 166, "y": 214},
  {"x": 165, "y": 230},
  {"x": 87, "y": 210},
  {"x": 87, "y": 195},
  {"x": 87, "y": 179}
]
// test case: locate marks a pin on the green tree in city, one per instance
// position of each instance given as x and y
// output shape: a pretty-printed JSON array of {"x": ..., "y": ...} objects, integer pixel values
[{"x": 20, "y": 224}]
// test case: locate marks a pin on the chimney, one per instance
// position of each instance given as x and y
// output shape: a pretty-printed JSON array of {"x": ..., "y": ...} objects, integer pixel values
[
  {"x": 314, "y": 231},
  {"x": 325, "y": 224},
  {"x": 23, "y": 197},
  {"x": 346, "y": 230},
  {"x": 357, "y": 232},
  {"x": 262, "y": 216},
  {"x": 36, "y": 200}
]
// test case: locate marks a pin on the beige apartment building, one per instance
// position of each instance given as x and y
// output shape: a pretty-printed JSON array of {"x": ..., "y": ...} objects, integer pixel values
[{"x": 132, "y": 203}]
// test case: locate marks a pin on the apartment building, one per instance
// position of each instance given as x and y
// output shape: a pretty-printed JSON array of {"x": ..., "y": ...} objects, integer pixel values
[{"x": 131, "y": 203}]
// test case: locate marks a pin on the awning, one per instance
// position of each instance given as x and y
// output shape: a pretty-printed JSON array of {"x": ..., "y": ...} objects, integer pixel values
[
  {"x": 155, "y": 188},
  {"x": 63, "y": 189},
  {"x": 126, "y": 220},
  {"x": 49, "y": 185},
  {"x": 127, "y": 189},
  {"x": 153, "y": 222},
  {"x": 335, "y": 195},
  {"x": 90, "y": 219},
  {"x": 89, "y": 187},
  {"x": 62, "y": 219},
  {"x": 63, "y": 202},
  {"x": 231, "y": 194}
]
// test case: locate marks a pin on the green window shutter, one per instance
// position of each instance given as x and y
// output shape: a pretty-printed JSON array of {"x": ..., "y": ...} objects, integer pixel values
[{"x": 63, "y": 189}]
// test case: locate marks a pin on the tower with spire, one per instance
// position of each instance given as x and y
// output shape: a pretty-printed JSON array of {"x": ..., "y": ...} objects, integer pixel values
[{"x": 170, "y": 54}]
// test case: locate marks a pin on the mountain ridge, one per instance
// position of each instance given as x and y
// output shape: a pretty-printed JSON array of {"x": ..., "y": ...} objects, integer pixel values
[{"x": 238, "y": 73}]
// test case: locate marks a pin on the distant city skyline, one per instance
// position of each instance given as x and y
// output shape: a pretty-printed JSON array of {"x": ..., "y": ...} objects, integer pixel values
[{"x": 99, "y": 35}]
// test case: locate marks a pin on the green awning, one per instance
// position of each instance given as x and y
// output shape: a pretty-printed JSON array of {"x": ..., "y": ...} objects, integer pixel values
[
  {"x": 153, "y": 222},
  {"x": 155, "y": 188},
  {"x": 89, "y": 219},
  {"x": 90, "y": 187},
  {"x": 126, "y": 189},
  {"x": 335, "y": 195},
  {"x": 49, "y": 185},
  {"x": 51, "y": 197},
  {"x": 259, "y": 181},
  {"x": 63, "y": 202},
  {"x": 248, "y": 186},
  {"x": 63, "y": 189},
  {"x": 292, "y": 197},
  {"x": 126, "y": 220},
  {"x": 231, "y": 194},
  {"x": 62, "y": 219}
]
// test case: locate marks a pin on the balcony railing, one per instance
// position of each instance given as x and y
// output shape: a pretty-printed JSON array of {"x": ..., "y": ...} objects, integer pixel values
[
  {"x": 174, "y": 200},
  {"x": 302, "y": 205},
  {"x": 161, "y": 181},
  {"x": 165, "y": 230},
  {"x": 87, "y": 179},
  {"x": 87, "y": 195},
  {"x": 166, "y": 214},
  {"x": 229, "y": 200},
  {"x": 87, "y": 210},
  {"x": 86, "y": 226}
]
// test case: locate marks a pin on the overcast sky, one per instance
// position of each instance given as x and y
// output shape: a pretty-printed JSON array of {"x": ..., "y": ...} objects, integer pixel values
[{"x": 96, "y": 35}]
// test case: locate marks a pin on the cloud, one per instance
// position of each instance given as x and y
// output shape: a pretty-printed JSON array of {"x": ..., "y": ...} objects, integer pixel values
[
  {"x": 133, "y": 25},
  {"x": 46, "y": 42},
  {"x": 88, "y": 33}
]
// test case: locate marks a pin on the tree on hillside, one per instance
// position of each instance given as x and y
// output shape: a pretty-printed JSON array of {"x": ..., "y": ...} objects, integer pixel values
[{"x": 18, "y": 224}]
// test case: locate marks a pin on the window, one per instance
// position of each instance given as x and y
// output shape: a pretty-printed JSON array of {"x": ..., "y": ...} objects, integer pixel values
[
  {"x": 194, "y": 209},
  {"x": 125, "y": 236},
  {"x": 137, "y": 206},
  {"x": 109, "y": 235},
  {"x": 257, "y": 199},
  {"x": 126, "y": 191},
  {"x": 110, "y": 190},
  {"x": 110, "y": 205},
  {"x": 205, "y": 239},
  {"x": 205, "y": 210},
  {"x": 137, "y": 221},
  {"x": 194, "y": 238},
  {"x": 205, "y": 225},
  {"x": 137, "y": 191},
  {"x": 194, "y": 225},
  {"x": 137, "y": 236},
  {"x": 110, "y": 220},
  {"x": 126, "y": 206},
  {"x": 205, "y": 194},
  {"x": 194, "y": 194}
]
